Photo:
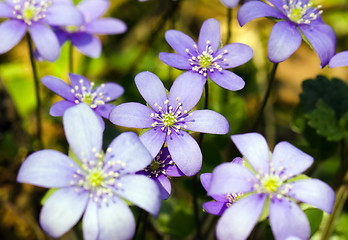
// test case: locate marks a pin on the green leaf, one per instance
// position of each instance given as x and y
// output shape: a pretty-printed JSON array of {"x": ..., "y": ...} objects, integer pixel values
[
  {"x": 324, "y": 121},
  {"x": 314, "y": 216}
]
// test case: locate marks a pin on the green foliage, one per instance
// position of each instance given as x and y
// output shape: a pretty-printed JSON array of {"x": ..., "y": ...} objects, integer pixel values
[{"x": 315, "y": 217}]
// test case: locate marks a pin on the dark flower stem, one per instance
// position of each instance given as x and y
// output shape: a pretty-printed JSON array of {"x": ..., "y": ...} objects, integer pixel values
[
  {"x": 71, "y": 58},
  {"x": 229, "y": 25},
  {"x": 268, "y": 92},
  {"x": 195, "y": 178},
  {"x": 139, "y": 221},
  {"x": 37, "y": 92}
]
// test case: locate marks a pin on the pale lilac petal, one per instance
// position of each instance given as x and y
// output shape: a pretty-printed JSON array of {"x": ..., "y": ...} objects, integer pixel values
[
  {"x": 93, "y": 9},
  {"x": 185, "y": 152},
  {"x": 240, "y": 218},
  {"x": 6, "y": 11},
  {"x": 187, "y": 89},
  {"x": 175, "y": 60},
  {"x": 58, "y": 109},
  {"x": 279, "y": 3},
  {"x": 207, "y": 121},
  {"x": 47, "y": 168},
  {"x": 206, "y": 180},
  {"x": 210, "y": 34},
  {"x": 59, "y": 87},
  {"x": 174, "y": 171},
  {"x": 323, "y": 40},
  {"x": 257, "y": 9},
  {"x": 141, "y": 191},
  {"x": 296, "y": 224},
  {"x": 110, "y": 91},
  {"x": 11, "y": 32},
  {"x": 133, "y": 115},
  {"x": 83, "y": 131},
  {"x": 62, "y": 211},
  {"x": 179, "y": 41},
  {"x": 128, "y": 148},
  {"x": 283, "y": 41},
  {"x": 238, "y": 160},
  {"x": 164, "y": 186},
  {"x": 289, "y": 161},
  {"x": 237, "y": 54},
  {"x": 90, "y": 225},
  {"x": 153, "y": 139},
  {"x": 100, "y": 119},
  {"x": 63, "y": 15},
  {"x": 314, "y": 192},
  {"x": 77, "y": 81},
  {"x": 227, "y": 79},
  {"x": 104, "y": 110},
  {"x": 151, "y": 89},
  {"x": 215, "y": 208},
  {"x": 230, "y": 3},
  {"x": 87, "y": 44},
  {"x": 231, "y": 178},
  {"x": 106, "y": 26},
  {"x": 116, "y": 220},
  {"x": 45, "y": 41},
  {"x": 254, "y": 149},
  {"x": 339, "y": 60}
]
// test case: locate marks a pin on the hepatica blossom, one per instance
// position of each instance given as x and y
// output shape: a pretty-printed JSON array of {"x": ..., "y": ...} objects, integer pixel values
[
  {"x": 83, "y": 36},
  {"x": 230, "y": 3},
  {"x": 339, "y": 60},
  {"x": 205, "y": 58},
  {"x": 82, "y": 90},
  {"x": 293, "y": 18},
  {"x": 168, "y": 118},
  {"x": 160, "y": 168},
  {"x": 93, "y": 185},
  {"x": 270, "y": 180},
  {"x": 222, "y": 201},
  {"x": 36, "y": 17}
]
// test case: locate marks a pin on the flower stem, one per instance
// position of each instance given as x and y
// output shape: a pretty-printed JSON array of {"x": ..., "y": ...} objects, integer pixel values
[
  {"x": 268, "y": 92},
  {"x": 71, "y": 58},
  {"x": 37, "y": 92},
  {"x": 195, "y": 178},
  {"x": 142, "y": 215},
  {"x": 229, "y": 25}
]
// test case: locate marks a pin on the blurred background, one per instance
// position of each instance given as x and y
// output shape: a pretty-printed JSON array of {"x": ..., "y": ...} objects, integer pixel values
[{"x": 320, "y": 132}]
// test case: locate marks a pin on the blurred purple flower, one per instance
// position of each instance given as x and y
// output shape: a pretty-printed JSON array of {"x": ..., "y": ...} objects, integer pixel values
[
  {"x": 271, "y": 179},
  {"x": 81, "y": 90},
  {"x": 94, "y": 184},
  {"x": 206, "y": 58},
  {"x": 296, "y": 18},
  {"x": 222, "y": 201},
  {"x": 168, "y": 117},
  {"x": 34, "y": 16},
  {"x": 339, "y": 60},
  {"x": 83, "y": 37},
  {"x": 230, "y": 3},
  {"x": 160, "y": 168}
]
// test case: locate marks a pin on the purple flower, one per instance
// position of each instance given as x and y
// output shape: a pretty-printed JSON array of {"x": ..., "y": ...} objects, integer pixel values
[
  {"x": 167, "y": 118},
  {"x": 339, "y": 60},
  {"x": 206, "y": 58},
  {"x": 34, "y": 16},
  {"x": 222, "y": 201},
  {"x": 83, "y": 36},
  {"x": 296, "y": 18},
  {"x": 160, "y": 168},
  {"x": 94, "y": 184},
  {"x": 81, "y": 90},
  {"x": 271, "y": 179},
  {"x": 230, "y": 3}
]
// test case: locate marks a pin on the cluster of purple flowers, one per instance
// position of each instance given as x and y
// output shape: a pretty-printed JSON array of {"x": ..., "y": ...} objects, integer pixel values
[{"x": 93, "y": 184}]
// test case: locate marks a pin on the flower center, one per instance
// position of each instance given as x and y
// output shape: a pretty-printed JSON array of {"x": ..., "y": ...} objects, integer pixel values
[
  {"x": 30, "y": 10},
  {"x": 202, "y": 62},
  {"x": 87, "y": 95},
  {"x": 95, "y": 178},
  {"x": 232, "y": 198},
  {"x": 271, "y": 183},
  {"x": 159, "y": 164},
  {"x": 301, "y": 13},
  {"x": 169, "y": 118},
  {"x": 72, "y": 29}
]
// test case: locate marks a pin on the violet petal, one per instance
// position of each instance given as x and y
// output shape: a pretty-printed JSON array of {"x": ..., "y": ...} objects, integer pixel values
[
  {"x": 59, "y": 87},
  {"x": 58, "y": 109},
  {"x": 227, "y": 79},
  {"x": 11, "y": 32},
  {"x": 153, "y": 139},
  {"x": 106, "y": 26},
  {"x": 87, "y": 44},
  {"x": 179, "y": 41},
  {"x": 175, "y": 60},
  {"x": 210, "y": 33}
]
